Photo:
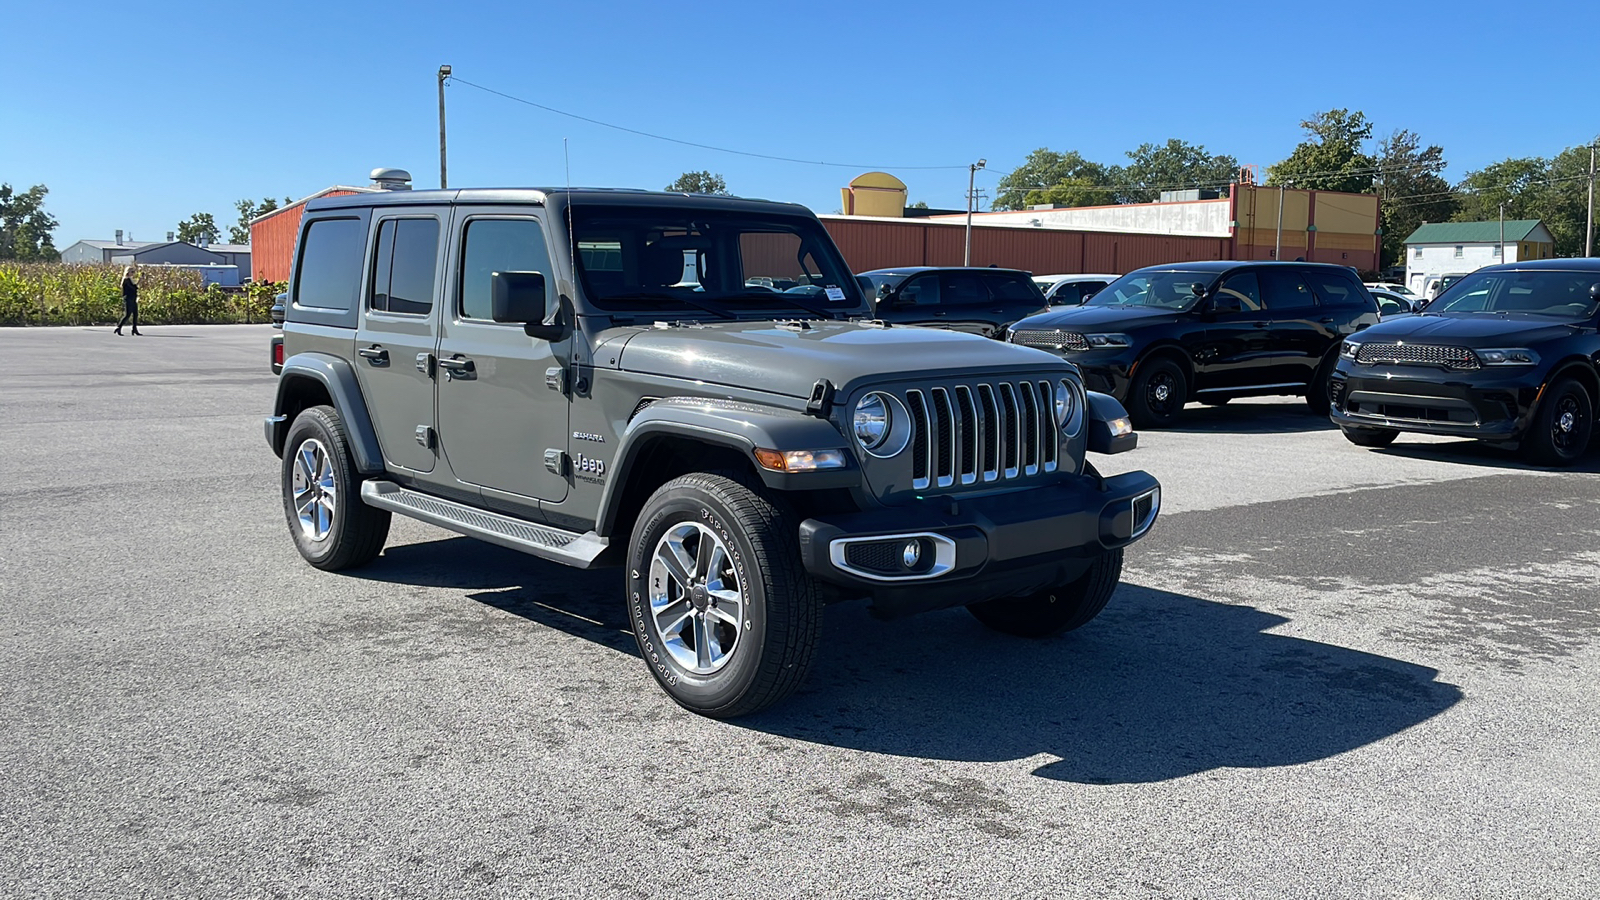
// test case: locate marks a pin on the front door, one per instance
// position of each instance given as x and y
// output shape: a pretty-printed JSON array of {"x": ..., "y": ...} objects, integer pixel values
[
  {"x": 497, "y": 416},
  {"x": 396, "y": 336},
  {"x": 1238, "y": 346}
]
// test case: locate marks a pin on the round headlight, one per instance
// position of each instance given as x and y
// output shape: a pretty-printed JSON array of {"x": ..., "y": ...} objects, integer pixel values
[
  {"x": 872, "y": 421},
  {"x": 1069, "y": 408}
]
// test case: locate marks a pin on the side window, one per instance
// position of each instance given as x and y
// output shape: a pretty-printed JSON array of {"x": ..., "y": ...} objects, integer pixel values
[
  {"x": 1245, "y": 287},
  {"x": 1334, "y": 288},
  {"x": 921, "y": 290},
  {"x": 1283, "y": 289},
  {"x": 404, "y": 266},
  {"x": 958, "y": 289},
  {"x": 329, "y": 273},
  {"x": 1013, "y": 289},
  {"x": 1389, "y": 306},
  {"x": 499, "y": 245}
]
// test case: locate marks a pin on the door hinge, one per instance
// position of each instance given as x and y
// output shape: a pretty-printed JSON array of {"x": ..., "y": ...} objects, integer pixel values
[
  {"x": 556, "y": 461},
  {"x": 555, "y": 378},
  {"x": 425, "y": 436},
  {"x": 821, "y": 399},
  {"x": 425, "y": 364}
]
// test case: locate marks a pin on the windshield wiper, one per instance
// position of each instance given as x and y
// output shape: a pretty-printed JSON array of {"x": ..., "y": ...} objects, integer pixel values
[{"x": 673, "y": 298}]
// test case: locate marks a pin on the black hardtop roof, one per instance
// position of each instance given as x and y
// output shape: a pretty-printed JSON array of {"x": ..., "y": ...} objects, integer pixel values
[
  {"x": 1568, "y": 264},
  {"x": 557, "y": 197},
  {"x": 912, "y": 270}
]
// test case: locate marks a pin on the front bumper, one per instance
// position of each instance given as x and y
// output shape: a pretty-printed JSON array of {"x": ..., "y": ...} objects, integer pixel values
[
  {"x": 1491, "y": 404},
  {"x": 980, "y": 548}
]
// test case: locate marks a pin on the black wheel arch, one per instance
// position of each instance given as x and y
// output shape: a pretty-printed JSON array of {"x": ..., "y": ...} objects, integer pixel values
[{"x": 320, "y": 379}]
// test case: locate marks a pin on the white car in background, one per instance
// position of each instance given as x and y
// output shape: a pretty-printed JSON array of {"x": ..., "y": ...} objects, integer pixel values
[
  {"x": 1393, "y": 287},
  {"x": 1071, "y": 290}
]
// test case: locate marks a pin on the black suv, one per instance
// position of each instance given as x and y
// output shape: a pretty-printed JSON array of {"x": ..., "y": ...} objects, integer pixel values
[
  {"x": 1159, "y": 337},
  {"x": 1509, "y": 354},
  {"x": 978, "y": 301}
]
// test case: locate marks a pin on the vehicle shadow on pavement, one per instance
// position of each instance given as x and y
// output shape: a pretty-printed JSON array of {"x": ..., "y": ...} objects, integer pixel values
[
  {"x": 1477, "y": 453},
  {"x": 1161, "y": 686},
  {"x": 1289, "y": 417}
]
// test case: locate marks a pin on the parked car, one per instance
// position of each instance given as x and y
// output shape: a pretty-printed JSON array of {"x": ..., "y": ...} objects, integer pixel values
[
  {"x": 1509, "y": 354},
  {"x": 276, "y": 313},
  {"x": 975, "y": 300},
  {"x": 1393, "y": 287},
  {"x": 1071, "y": 290},
  {"x": 1159, "y": 337},
  {"x": 600, "y": 378},
  {"x": 1391, "y": 304},
  {"x": 1434, "y": 285}
]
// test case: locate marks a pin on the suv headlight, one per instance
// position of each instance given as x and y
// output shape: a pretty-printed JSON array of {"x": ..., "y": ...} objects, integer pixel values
[
  {"x": 881, "y": 424},
  {"x": 1511, "y": 356},
  {"x": 1349, "y": 349},
  {"x": 1069, "y": 403},
  {"x": 1108, "y": 341}
]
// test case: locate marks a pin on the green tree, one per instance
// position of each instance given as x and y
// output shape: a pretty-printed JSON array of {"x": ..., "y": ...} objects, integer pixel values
[
  {"x": 920, "y": 204},
  {"x": 197, "y": 226},
  {"x": 1331, "y": 158},
  {"x": 1065, "y": 179},
  {"x": 1566, "y": 199},
  {"x": 702, "y": 182},
  {"x": 25, "y": 228},
  {"x": 1175, "y": 165},
  {"x": 1412, "y": 189},
  {"x": 1554, "y": 191},
  {"x": 248, "y": 209}
]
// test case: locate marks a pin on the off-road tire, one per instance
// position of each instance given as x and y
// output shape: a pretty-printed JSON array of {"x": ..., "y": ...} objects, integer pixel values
[
  {"x": 358, "y": 531},
  {"x": 782, "y": 609},
  {"x": 1547, "y": 442},
  {"x": 1145, "y": 407},
  {"x": 1055, "y": 610},
  {"x": 1369, "y": 437}
]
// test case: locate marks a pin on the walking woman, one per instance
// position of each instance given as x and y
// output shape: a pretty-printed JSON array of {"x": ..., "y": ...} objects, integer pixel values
[{"x": 130, "y": 300}]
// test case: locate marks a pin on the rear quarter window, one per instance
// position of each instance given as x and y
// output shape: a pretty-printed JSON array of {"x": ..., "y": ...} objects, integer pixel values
[
  {"x": 1337, "y": 288},
  {"x": 329, "y": 273}
]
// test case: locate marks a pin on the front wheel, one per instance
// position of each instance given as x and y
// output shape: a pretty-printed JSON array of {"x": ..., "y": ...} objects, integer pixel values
[
  {"x": 1319, "y": 393},
  {"x": 1369, "y": 437},
  {"x": 1157, "y": 394},
  {"x": 1559, "y": 433},
  {"x": 1055, "y": 610},
  {"x": 725, "y": 615}
]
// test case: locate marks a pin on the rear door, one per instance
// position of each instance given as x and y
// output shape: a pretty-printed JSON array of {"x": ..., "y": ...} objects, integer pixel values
[
  {"x": 1299, "y": 332},
  {"x": 397, "y": 334},
  {"x": 497, "y": 417}
]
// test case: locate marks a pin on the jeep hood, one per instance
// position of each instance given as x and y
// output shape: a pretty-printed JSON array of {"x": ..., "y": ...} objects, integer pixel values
[
  {"x": 1112, "y": 319},
  {"x": 1476, "y": 330},
  {"x": 783, "y": 359}
]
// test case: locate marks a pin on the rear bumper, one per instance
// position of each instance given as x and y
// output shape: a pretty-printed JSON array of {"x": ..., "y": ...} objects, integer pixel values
[
  {"x": 974, "y": 549},
  {"x": 1485, "y": 404}
]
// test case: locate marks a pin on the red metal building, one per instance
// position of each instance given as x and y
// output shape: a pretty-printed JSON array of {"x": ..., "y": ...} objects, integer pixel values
[{"x": 272, "y": 236}]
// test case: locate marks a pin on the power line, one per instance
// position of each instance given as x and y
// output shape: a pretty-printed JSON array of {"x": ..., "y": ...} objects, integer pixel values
[{"x": 660, "y": 137}]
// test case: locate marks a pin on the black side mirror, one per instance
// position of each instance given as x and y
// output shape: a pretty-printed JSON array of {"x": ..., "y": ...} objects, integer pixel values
[
  {"x": 885, "y": 291},
  {"x": 518, "y": 298}
]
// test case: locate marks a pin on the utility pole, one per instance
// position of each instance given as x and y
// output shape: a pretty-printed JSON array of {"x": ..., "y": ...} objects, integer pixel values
[
  {"x": 1277, "y": 244},
  {"x": 444, "y": 179},
  {"x": 972, "y": 178},
  {"x": 1588, "y": 229},
  {"x": 1502, "y": 231}
]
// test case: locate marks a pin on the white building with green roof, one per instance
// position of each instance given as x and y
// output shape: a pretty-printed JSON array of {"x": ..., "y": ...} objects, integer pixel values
[{"x": 1439, "y": 250}]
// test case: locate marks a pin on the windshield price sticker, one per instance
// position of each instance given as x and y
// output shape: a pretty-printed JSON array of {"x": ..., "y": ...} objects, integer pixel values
[{"x": 834, "y": 292}]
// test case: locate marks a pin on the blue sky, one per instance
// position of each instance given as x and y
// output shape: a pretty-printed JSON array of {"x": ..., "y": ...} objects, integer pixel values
[{"x": 136, "y": 115}]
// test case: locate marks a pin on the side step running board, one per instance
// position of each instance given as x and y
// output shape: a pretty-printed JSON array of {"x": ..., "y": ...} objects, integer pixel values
[{"x": 554, "y": 544}]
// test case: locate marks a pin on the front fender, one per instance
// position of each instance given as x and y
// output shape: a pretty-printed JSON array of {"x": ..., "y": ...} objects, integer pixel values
[
  {"x": 1109, "y": 428},
  {"x": 739, "y": 426},
  {"x": 338, "y": 379}
]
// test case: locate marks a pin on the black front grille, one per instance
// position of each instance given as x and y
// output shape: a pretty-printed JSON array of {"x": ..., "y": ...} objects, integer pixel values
[
  {"x": 1400, "y": 354},
  {"x": 977, "y": 433},
  {"x": 1050, "y": 340}
]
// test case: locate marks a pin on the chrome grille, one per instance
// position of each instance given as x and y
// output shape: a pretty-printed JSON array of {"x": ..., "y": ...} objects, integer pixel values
[
  {"x": 1418, "y": 355},
  {"x": 971, "y": 433},
  {"x": 1050, "y": 340}
]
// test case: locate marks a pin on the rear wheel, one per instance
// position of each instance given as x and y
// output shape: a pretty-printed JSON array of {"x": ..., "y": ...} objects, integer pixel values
[
  {"x": 725, "y": 615},
  {"x": 1157, "y": 394},
  {"x": 1369, "y": 437},
  {"x": 1559, "y": 434},
  {"x": 1058, "y": 609},
  {"x": 331, "y": 527}
]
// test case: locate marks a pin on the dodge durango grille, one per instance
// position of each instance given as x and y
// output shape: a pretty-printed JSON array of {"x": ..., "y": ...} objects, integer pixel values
[
  {"x": 979, "y": 433},
  {"x": 1050, "y": 340},
  {"x": 1399, "y": 354}
]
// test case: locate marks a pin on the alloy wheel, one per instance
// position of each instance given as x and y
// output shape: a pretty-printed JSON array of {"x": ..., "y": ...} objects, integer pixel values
[
  {"x": 696, "y": 600},
  {"x": 314, "y": 489}
]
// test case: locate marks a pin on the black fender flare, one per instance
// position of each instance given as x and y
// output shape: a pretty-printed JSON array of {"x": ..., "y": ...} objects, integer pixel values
[
  {"x": 742, "y": 427},
  {"x": 338, "y": 378}
]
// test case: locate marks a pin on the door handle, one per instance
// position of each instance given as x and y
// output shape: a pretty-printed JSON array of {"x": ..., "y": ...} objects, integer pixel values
[
  {"x": 939, "y": 312},
  {"x": 1261, "y": 324},
  {"x": 1328, "y": 320},
  {"x": 375, "y": 355},
  {"x": 457, "y": 366}
]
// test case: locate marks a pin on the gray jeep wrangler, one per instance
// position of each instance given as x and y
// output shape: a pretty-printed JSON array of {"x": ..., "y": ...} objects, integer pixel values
[{"x": 689, "y": 387}]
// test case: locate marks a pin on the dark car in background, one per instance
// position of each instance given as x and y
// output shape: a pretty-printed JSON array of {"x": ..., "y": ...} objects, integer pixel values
[
  {"x": 1509, "y": 354},
  {"x": 977, "y": 300},
  {"x": 1210, "y": 331},
  {"x": 1071, "y": 290}
]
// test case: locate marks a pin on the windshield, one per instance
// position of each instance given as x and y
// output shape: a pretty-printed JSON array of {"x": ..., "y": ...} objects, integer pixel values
[
  {"x": 1162, "y": 290},
  {"x": 713, "y": 260},
  {"x": 1565, "y": 295}
]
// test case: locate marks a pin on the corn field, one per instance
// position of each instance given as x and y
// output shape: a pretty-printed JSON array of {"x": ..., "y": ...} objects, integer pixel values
[{"x": 62, "y": 294}]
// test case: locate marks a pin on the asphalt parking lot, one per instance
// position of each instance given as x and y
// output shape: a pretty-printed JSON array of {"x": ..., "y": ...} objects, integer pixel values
[{"x": 1329, "y": 672}]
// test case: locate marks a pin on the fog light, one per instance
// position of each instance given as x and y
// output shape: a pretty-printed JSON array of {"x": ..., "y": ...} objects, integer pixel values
[{"x": 912, "y": 554}]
